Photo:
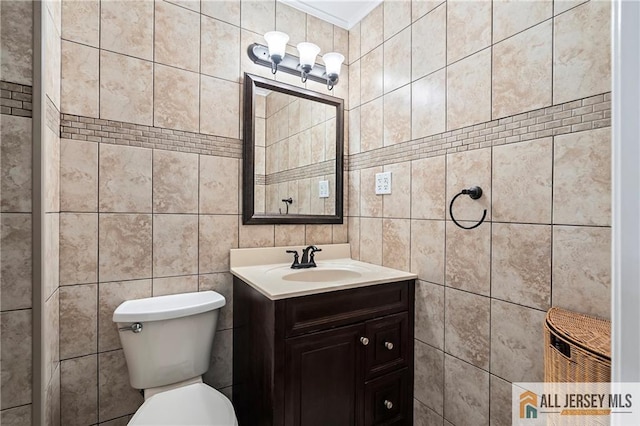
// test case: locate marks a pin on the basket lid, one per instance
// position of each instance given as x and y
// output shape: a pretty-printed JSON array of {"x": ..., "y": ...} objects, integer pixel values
[{"x": 592, "y": 334}]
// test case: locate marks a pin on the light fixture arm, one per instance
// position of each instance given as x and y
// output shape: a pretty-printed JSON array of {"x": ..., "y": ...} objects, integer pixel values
[{"x": 290, "y": 64}]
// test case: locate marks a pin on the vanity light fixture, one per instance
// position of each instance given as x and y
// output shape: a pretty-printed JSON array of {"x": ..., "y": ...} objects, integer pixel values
[{"x": 273, "y": 56}]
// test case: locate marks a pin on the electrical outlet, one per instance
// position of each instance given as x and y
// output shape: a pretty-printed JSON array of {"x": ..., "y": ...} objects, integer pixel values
[
  {"x": 383, "y": 183},
  {"x": 323, "y": 189}
]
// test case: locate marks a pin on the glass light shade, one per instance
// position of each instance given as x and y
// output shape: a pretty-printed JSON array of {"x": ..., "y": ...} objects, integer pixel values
[
  {"x": 308, "y": 53},
  {"x": 277, "y": 42},
  {"x": 333, "y": 62}
]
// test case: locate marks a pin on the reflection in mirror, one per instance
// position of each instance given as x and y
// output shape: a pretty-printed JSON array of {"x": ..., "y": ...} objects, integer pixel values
[{"x": 295, "y": 136}]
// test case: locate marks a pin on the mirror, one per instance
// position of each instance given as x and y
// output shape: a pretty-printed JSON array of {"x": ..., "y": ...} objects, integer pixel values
[{"x": 293, "y": 154}]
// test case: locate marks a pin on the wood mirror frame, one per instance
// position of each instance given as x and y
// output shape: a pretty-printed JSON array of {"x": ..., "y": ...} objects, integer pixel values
[{"x": 249, "y": 216}]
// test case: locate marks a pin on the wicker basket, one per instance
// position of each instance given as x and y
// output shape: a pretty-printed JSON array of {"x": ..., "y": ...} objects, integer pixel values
[{"x": 577, "y": 348}]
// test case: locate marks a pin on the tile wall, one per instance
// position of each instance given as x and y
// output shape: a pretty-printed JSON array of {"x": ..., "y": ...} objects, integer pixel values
[
  {"x": 150, "y": 169},
  {"x": 513, "y": 97}
]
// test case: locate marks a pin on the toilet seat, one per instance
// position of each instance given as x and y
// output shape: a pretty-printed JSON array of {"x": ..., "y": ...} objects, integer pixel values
[{"x": 196, "y": 405}]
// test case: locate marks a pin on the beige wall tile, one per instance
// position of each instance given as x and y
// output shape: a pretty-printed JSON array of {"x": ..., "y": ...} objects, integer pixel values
[
  {"x": 127, "y": 27},
  {"x": 125, "y": 183},
  {"x": 469, "y": 90},
  {"x": 126, "y": 88},
  {"x": 397, "y": 116},
  {"x": 429, "y": 373},
  {"x": 51, "y": 77},
  {"x": 15, "y": 162},
  {"x": 175, "y": 182},
  {"x": 121, "y": 421},
  {"x": 51, "y": 336},
  {"x": 52, "y": 399},
  {"x": 220, "y": 46},
  {"x": 371, "y": 30},
  {"x": 246, "y": 64},
  {"x": 79, "y": 391},
  {"x": 81, "y": 22},
  {"x": 512, "y": 16},
  {"x": 176, "y": 99},
  {"x": 124, "y": 246},
  {"x": 290, "y": 235},
  {"x": 468, "y": 28},
  {"x": 397, "y": 51},
  {"x": 224, "y": 10},
  {"x": 428, "y": 105},
  {"x": 396, "y": 243},
  {"x": 355, "y": 43},
  {"x": 341, "y": 44},
  {"x": 175, "y": 285},
  {"x": 521, "y": 182},
  {"x": 116, "y": 397},
  {"x": 18, "y": 416},
  {"x": 516, "y": 333},
  {"x": 16, "y": 358},
  {"x": 340, "y": 233},
  {"x": 318, "y": 234},
  {"x": 468, "y": 258},
  {"x": 353, "y": 191},
  {"x": 371, "y": 129},
  {"x": 500, "y": 401},
  {"x": 78, "y": 248},
  {"x": 218, "y": 234},
  {"x": 51, "y": 253},
  {"x": 258, "y": 16},
  {"x": 219, "y": 118},
  {"x": 220, "y": 370},
  {"x": 370, "y": 203},
  {"x": 427, "y": 250},
  {"x": 319, "y": 32},
  {"x": 222, "y": 284},
  {"x": 428, "y": 188},
  {"x": 51, "y": 154},
  {"x": 354, "y": 87},
  {"x": 371, "y": 81},
  {"x": 218, "y": 185},
  {"x": 78, "y": 320},
  {"x": 397, "y": 16},
  {"x": 582, "y": 160},
  {"x": 522, "y": 71},
  {"x": 175, "y": 245},
  {"x": 429, "y": 56},
  {"x": 79, "y": 86},
  {"x": 15, "y": 270},
  {"x": 464, "y": 170},
  {"x": 16, "y": 41},
  {"x": 424, "y": 416},
  {"x": 176, "y": 36},
  {"x": 110, "y": 296},
  {"x": 429, "y": 313},
  {"x": 398, "y": 203},
  {"x": 561, "y": 6},
  {"x": 292, "y": 22},
  {"x": 371, "y": 240},
  {"x": 466, "y": 393},
  {"x": 467, "y": 331},
  {"x": 354, "y": 236},
  {"x": 420, "y": 8},
  {"x": 521, "y": 264},
  {"x": 582, "y": 52},
  {"x": 189, "y": 4},
  {"x": 79, "y": 176},
  {"x": 581, "y": 270}
]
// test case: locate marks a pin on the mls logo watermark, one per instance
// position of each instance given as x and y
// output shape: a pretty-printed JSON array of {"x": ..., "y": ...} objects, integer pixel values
[{"x": 580, "y": 404}]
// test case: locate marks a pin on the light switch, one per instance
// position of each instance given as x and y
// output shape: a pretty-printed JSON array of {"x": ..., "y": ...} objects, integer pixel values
[
  {"x": 323, "y": 189},
  {"x": 383, "y": 183}
]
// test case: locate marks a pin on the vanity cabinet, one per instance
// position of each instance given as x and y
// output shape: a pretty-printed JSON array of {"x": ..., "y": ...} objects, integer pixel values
[{"x": 340, "y": 358}]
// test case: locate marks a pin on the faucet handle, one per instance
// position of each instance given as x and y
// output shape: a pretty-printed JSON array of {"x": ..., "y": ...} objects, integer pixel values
[{"x": 295, "y": 258}]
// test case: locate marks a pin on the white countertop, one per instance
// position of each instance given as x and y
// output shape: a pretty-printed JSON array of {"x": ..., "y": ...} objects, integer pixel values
[{"x": 268, "y": 270}]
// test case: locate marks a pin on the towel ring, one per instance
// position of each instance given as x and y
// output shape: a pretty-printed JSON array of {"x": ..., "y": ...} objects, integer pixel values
[{"x": 474, "y": 192}]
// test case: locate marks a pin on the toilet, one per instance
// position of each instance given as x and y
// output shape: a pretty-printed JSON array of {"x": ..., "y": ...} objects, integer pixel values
[{"x": 167, "y": 343}]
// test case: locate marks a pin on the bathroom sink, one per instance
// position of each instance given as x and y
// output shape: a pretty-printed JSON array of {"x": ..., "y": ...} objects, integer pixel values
[{"x": 321, "y": 275}]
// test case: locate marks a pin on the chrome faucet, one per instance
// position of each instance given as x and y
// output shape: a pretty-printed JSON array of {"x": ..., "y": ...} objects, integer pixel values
[{"x": 307, "y": 258}]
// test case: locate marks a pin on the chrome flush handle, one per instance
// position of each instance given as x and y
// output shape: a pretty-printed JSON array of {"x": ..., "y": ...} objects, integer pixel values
[{"x": 136, "y": 327}]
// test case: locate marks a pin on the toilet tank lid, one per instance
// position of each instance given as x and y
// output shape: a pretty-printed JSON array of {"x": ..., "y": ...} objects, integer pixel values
[{"x": 168, "y": 307}]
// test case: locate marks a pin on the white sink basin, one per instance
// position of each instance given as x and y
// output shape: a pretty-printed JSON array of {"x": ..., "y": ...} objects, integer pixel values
[{"x": 321, "y": 275}]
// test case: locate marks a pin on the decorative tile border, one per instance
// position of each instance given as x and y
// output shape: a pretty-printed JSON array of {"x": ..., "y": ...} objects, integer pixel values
[
  {"x": 313, "y": 170},
  {"x": 120, "y": 133},
  {"x": 16, "y": 99},
  {"x": 570, "y": 117}
]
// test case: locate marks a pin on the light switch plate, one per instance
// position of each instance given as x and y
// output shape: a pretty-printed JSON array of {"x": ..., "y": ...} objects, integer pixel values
[
  {"x": 383, "y": 183},
  {"x": 323, "y": 189}
]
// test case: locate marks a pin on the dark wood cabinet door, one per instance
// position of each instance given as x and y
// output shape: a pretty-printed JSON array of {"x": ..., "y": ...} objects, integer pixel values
[{"x": 324, "y": 378}]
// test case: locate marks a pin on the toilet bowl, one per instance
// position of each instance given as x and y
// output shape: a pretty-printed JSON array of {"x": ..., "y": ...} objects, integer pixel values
[{"x": 167, "y": 343}]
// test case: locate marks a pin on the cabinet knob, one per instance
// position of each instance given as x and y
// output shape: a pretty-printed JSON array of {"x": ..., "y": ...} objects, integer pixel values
[
  {"x": 364, "y": 341},
  {"x": 388, "y": 404},
  {"x": 388, "y": 345}
]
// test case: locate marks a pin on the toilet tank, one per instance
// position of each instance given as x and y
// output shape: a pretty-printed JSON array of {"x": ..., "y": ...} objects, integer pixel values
[{"x": 175, "y": 340}]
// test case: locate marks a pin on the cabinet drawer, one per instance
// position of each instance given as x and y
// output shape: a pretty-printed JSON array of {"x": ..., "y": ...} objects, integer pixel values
[
  {"x": 386, "y": 400},
  {"x": 307, "y": 314},
  {"x": 388, "y": 344}
]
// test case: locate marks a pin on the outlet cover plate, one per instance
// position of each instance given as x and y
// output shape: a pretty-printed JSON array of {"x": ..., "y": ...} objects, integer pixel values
[
  {"x": 383, "y": 183},
  {"x": 323, "y": 189}
]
